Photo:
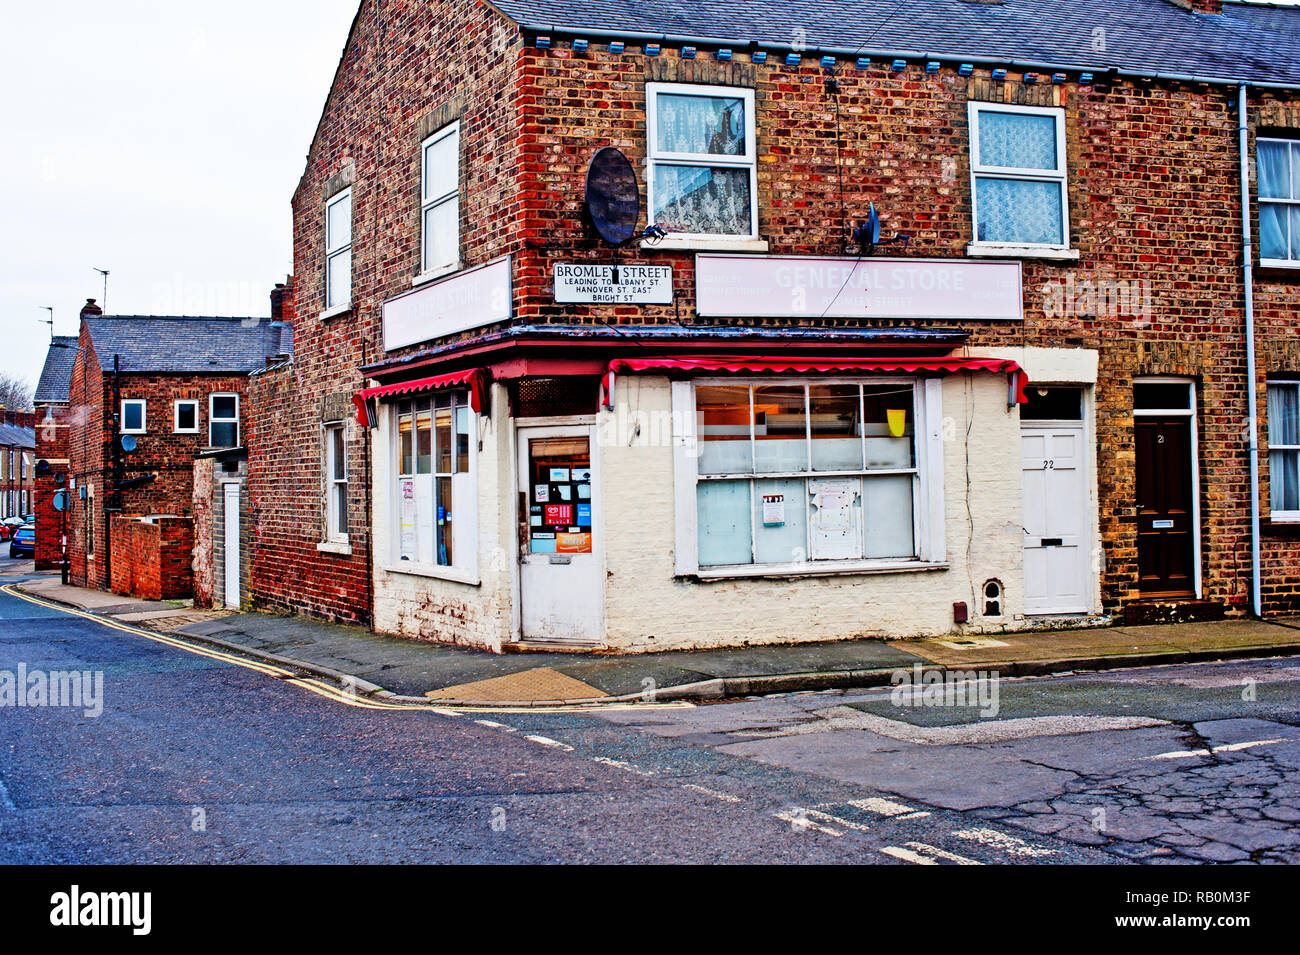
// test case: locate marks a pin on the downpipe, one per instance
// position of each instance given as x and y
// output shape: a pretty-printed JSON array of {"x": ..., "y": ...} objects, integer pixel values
[{"x": 1248, "y": 279}]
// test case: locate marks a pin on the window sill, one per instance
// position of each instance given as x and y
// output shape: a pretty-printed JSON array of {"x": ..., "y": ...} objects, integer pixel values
[
  {"x": 981, "y": 250},
  {"x": 1281, "y": 268},
  {"x": 335, "y": 312},
  {"x": 1287, "y": 528},
  {"x": 694, "y": 244},
  {"x": 438, "y": 573},
  {"x": 425, "y": 277},
  {"x": 847, "y": 568},
  {"x": 342, "y": 548}
]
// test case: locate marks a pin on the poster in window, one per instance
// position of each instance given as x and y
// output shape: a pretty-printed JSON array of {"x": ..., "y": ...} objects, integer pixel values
[
  {"x": 774, "y": 510},
  {"x": 573, "y": 543},
  {"x": 542, "y": 493},
  {"x": 835, "y": 524},
  {"x": 406, "y": 523},
  {"x": 559, "y": 515}
]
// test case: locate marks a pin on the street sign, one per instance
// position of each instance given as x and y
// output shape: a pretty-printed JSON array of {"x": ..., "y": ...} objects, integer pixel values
[
  {"x": 613, "y": 284},
  {"x": 61, "y": 501}
]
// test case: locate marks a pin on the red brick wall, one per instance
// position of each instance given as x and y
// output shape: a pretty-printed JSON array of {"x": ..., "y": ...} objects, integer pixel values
[
  {"x": 203, "y": 532},
  {"x": 152, "y": 559},
  {"x": 51, "y": 446}
]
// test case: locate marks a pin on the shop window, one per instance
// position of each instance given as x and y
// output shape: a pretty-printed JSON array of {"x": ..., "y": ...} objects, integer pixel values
[
  {"x": 1278, "y": 164},
  {"x": 702, "y": 153},
  {"x": 1018, "y": 173},
  {"x": 133, "y": 416},
  {"x": 434, "y": 493},
  {"x": 223, "y": 421},
  {"x": 440, "y": 201},
  {"x": 336, "y": 483},
  {"x": 186, "y": 416},
  {"x": 1284, "y": 449},
  {"x": 338, "y": 252},
  {"x": 809, "y": 474}
]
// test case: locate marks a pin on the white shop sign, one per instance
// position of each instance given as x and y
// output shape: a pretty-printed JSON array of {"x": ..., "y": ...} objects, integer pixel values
[
  {"x": 613, "y": 284},
  {"x": 470, "y": 299},
  {"x": 770, "y": 286}
]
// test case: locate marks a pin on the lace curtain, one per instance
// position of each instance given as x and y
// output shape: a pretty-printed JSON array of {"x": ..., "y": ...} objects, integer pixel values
[
  {"x": 1279, "y": 223},
  {"x": 1284, "y": 429},
  {"x": 707, "y": 200},
  {"x": 1017, "y": 140},
  {"x": 1019, "y": 211}
]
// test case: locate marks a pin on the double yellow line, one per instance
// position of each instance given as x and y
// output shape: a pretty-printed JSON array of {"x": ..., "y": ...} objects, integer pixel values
[{"x": 311, "y": 684}]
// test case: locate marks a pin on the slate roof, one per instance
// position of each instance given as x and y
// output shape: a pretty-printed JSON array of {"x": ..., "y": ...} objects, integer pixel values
[
  {"x": 1244, "y": 42},
  {"x": 12, "y": 436},
  {"x": 181, "y": 345},
  {"x": 56, "y": 376}
]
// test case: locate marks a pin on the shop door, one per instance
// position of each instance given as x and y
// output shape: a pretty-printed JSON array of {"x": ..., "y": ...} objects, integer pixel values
[
  {"x": 1166, "y": 518},
  {"x": 561, "y": 580},
  {"x": 1057, "y": 567}
]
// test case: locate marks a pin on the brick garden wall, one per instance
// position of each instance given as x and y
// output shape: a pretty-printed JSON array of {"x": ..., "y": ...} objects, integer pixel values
[
  {"x": 51, "y": 446},
  {"x": 204, "y": 530},
  {"x": 152, "y": 559}
]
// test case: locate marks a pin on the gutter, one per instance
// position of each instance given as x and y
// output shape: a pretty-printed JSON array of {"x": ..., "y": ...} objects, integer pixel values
[
  {"x": 1043, "y": 66},
  {"x": 1248, "y": 279}
]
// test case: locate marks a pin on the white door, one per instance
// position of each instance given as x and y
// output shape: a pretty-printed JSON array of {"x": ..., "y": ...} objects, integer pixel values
[
  {"x": 561, "y": 578},
  {"x": 1057, "y": 562},
  {"x": 231, "y": 570}
]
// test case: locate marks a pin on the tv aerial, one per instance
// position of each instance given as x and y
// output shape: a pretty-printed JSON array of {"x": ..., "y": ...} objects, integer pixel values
[
  {"x": 867, "y": 234},
  {"x": 613, "y": 199}
]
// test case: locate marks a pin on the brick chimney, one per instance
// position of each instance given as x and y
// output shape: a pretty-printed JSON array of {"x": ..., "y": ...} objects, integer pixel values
[
  {"x": 283, "y": 312},
  {"x": 91, "y": 310},
  {"x": 1200, "y": 6}
]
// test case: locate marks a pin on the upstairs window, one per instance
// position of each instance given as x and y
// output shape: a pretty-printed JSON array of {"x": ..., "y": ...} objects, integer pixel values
[
  {"x": 338, "y": 252},
  {"x": 1279, "y": 201},
  {"x": 702, "y": 149},
  {"x": 223, "y": 421},
  {"x": 133, "y": 416},
  {"x": 186, "y": 416},
  {"x": 1284, "y": 449},
  {"x": 440, "y": 200},
  {"x": 1018, "y": 175}
]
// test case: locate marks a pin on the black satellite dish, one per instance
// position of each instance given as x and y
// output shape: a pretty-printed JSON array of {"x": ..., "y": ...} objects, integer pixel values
[{"x": 613, "y": 196}]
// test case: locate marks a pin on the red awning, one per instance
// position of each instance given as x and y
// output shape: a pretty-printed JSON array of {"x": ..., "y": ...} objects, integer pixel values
[
  {"x": 476, "y": 379},
  {"x": 766, "y": 365}
]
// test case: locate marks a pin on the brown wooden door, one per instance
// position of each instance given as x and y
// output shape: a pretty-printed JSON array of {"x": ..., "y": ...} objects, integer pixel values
[{"x": 1166, "y": 527}]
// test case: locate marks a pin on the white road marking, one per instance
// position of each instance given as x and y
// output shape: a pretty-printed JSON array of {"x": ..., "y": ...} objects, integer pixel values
[
  {"x": 5, "y": 799},
  {"x": 496, "y": 726},
  {"x": 1225, "y": 748},
  {"x": 912, "y": 815},
  {"x": 1005, "y": 842},
  {"x": 619, "y": 764},
  {"x": 883, "y": 807},
  {"x": 799, "y": 821},
  {"x": 547, "y": 741},
  {"x": 921, "y": 854},
  {"x": 725, "y": 797},
  {"x": 987, "y": 731}
]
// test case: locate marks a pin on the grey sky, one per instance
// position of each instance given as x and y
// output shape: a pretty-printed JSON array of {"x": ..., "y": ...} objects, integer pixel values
[{"x": 158, "y": 139}]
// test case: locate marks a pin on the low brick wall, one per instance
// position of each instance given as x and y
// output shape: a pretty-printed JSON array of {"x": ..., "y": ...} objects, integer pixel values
[
  {"x": 204, "y": 531},
  {"x": 152, "y": 557}
]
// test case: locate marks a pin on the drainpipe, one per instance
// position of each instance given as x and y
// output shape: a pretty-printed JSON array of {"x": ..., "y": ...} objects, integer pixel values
[{"x": 1248, "y": 279}]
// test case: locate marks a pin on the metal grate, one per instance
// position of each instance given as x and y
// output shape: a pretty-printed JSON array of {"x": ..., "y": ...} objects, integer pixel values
[{"x": 555, "y": 397}]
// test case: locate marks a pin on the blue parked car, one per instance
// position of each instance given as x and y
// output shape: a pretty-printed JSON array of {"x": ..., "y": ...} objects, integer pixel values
[{"x": 24, "y": 542}]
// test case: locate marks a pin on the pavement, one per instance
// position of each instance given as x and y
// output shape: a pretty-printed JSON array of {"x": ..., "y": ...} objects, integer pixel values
[{"x": 410, "y": 670}]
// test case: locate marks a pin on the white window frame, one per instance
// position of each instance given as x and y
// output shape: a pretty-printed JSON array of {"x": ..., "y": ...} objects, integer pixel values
[
  {"x": 1060, "y": 175},
  {"x": 214, "y": 420},
  {"x": 334, "y": 252},
  {"x": 1293, "y": 148},
  {"x": 1281, "y": 517},
  {"x": 464, "y": 568},
  {"x": 928, "y": 529},
  {"x": 144, "y": 416},
  {"x": 704, "y": 160},
  {"x": 427, "y": 202},
  {"x": 176, "y": 416},
  {"x": 334, "y": 508}
]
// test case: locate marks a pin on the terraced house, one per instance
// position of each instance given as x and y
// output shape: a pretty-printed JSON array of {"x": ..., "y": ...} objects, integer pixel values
[{"x": 638, "y": 325}]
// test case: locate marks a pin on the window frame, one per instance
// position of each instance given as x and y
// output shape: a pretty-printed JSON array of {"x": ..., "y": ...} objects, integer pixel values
[
  {"x": 176, "y": 417},
  {"x": 334, "y": 508},
  {"x": 144, "y": 416},
  {"x": 655, "y": 156},
  {"x": 451, "y": 130},
  {"x": 334, "y": 252},
  {"x": 928, "y": 518},
  {"x": 1061, "y": 175},
  {"x": 1282, "y": 517},
  {"x": 1293, "y": 146},
  {"x": 214, "y": 420}
]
